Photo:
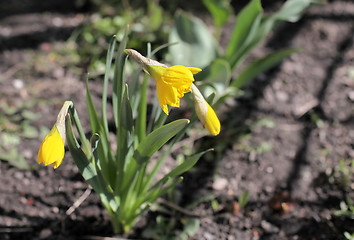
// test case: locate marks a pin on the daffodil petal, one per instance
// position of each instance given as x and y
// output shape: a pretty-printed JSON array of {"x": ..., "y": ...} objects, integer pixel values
[
  {"x": 205, "y": 113},
  {"x": 194, "y": 70},
  {"x": 212, "y": 123},
  {"x": 178, "y": 76},
  {"x": 167, "y": 95},
  {"x": 52, "y": 149},
  {"x": 171, "y": 82}
]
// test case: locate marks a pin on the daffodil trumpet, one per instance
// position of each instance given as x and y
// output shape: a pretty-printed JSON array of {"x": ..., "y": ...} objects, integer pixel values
[{"x": 52, "y": 148}]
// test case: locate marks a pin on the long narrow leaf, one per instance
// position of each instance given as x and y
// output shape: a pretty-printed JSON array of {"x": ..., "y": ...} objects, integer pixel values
[
  {"x": 93, "y": 116},
  {"x": 155, "y": 140},
  {"x": 260, "y": 66},
  {"x": 118, "y": 81},
  {"x": 104, "y": 152},
  {"x": 220, "y": 11},
  {"x": 125, "y": 129},
  {"x": 141, "y": 118},
  {"x": 109, "y": 60},
  {"x": 182, "y": 168},
  {"x": 244, "y": 22},
  {"x": 292, "y": 10},
  {"x": 88, "y": 169},
  {"x": 248, "y": 44}
]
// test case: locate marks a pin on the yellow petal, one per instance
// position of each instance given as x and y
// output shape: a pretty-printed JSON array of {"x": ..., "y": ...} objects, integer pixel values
[
  {"x": 167, "y": 95},
  {"x": 212, "y": 123},
  {"x": 52, "y": 149},
  {"x": 172, "y": 83},
  {"x": 205, "y": 113},
  {"x": 178, "y": 76},
  {"x": 194, "y": 70}
]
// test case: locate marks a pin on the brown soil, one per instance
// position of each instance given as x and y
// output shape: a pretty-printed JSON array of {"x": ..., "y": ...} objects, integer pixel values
[{"x": 282, "y": 141}]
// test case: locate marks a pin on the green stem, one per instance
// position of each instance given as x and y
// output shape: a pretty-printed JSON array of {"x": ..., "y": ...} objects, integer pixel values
[
  {"x": 80, "y": 130},
  {"x": 141, "y": 121}
]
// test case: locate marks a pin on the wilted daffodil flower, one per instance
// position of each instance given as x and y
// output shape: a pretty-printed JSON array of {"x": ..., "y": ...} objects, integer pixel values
[
  {"x": 52, "y": 149},
  {"x": 171, "y": 82},
  {"x": 205, "y": 113}
]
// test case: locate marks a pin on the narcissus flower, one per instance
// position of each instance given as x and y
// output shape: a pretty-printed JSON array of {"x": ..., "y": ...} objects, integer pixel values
[
  {"x": 205, "y": 112},
  {"x": 52, "y": 149},
  {"x": 171, "y": 85},
  {"x": 171, "y": 82}
]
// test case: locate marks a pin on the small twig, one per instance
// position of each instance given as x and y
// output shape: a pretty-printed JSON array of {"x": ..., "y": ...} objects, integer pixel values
[
  {"x": 79, "y": 201},
  {"x": 182, "y": 210}
]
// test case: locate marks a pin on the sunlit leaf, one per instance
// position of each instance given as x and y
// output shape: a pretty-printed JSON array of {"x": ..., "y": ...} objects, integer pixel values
[
  {"x": 195, "y": 44},
  {"x": 156, "y": 139},
  {"x": 220, "y": 10},
  {"x": 242, "y": 28},
  {"x": 183, "y": 167},
  {"x": 259, "y": 66}
]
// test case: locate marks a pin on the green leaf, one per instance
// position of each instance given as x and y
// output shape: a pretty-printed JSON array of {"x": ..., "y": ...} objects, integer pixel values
[
  {"x": 156, "y": 15},
  {"x": 220, "y": 10},
  {"x": 88, "y": 169},
  {"x": 243, "y": 199},
  {"x": 109, "y": 60},
  {"x": 159, "y": 190},
  {"x": 156, "y": 139},
  {"x": 125, "y": 129},
  {"x": 292, "y": 10},
  {"x": 195, "y": 44},
  {"x": 218, "y": 71},
  {"x": 182, "y": 168},
  {"x": 243, "y": 26},
  {"x": 259, "y": 66},
  {"x": 142, "y": 109},
  {"x": 94, "y": 141},
  {"x": 127, "y": 115},
  {"x": 191, "y": 227},
  {"x": 118, "y": 80},
  {"x": 93, "y": 116}
]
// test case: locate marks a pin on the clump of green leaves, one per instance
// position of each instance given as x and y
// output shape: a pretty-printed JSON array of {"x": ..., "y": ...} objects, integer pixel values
[
  {"x": 251, "y": 27},
  {"x": 118, "y": 169}
]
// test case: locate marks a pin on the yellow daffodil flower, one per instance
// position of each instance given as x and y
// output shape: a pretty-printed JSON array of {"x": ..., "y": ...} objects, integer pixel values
[
  {"x": 171, "y": 82},
  {"x": 205, "y": 112},
  {"x": 171, "y": 85},
  {"x": 52, "y": 149}
]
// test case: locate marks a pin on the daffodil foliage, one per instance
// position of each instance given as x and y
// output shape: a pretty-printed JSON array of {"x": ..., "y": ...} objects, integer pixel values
[{"x": 117, "y": 167}]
